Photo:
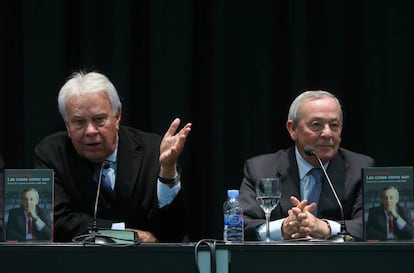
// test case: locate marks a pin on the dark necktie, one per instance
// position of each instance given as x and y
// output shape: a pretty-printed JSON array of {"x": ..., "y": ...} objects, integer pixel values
[
  {"x": 106, "y": 181},
  {"x": 30, "y": 225},
  {"x": 316, "y": 190},
  {"x": 390, "y": 223}
]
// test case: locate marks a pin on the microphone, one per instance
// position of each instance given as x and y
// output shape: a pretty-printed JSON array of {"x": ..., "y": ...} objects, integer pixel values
[
  {"x": 343, "y": 235},
  {"x": 97, "y": 236},
  {"x": 104, "y": 165},
  {"x": 94, "y": 237}
]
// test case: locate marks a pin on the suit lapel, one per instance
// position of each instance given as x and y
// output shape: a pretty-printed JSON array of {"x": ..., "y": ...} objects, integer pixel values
[
  {"x": 290, "y": 180},
  {"x": 336, "y": 172},
  {"x": 337, "y": 175},
  {"x": 21, "y": 219},
  {"x": 128, "y": 171}
]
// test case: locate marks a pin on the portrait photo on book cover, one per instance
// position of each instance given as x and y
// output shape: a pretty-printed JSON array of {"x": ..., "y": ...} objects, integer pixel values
[
  {"x": 388, "y": 205},
  {"x": 28, "y": 214}
]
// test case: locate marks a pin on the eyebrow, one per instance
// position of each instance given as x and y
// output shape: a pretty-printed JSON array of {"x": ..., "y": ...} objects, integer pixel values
[{"x": 94, "y": 115}]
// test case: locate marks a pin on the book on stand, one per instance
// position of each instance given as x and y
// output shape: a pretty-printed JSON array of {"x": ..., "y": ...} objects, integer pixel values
[
  {"x": 388, "y": 203},
  {"x": 28, "y": 205}
]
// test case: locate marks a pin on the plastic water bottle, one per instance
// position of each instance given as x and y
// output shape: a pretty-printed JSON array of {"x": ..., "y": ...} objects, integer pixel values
[{"x": 233, "y": 218}]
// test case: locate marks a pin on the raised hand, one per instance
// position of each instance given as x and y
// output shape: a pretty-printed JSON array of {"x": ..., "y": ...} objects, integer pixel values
[{"x": 171, "y": 147}]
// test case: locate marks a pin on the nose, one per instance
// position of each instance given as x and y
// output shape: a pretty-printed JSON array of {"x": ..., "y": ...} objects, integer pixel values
[
  {"x": 90, "y": 128},
  {"x": 326, "y": 131}
]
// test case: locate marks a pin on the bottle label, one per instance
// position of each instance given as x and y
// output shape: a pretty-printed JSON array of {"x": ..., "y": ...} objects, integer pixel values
[{"x": 233, "y": 220}]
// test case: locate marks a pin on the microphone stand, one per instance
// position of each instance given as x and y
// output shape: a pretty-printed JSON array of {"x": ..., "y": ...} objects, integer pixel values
[
  {"x": 343, "y": 235},
  {"x": 94, "y": 228},
  {"x": 94, "y": 237}
]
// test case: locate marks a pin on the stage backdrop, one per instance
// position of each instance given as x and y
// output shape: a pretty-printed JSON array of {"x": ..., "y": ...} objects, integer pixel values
[{"x": 230, "y": 67}]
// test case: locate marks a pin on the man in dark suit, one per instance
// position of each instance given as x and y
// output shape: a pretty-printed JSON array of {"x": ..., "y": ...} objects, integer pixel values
[
  {"x": 315, "y": 119},
  {"x": 144, "y": 187},
  {"x": 389, "y": 221},
  {"x": 29, "y": 221}
]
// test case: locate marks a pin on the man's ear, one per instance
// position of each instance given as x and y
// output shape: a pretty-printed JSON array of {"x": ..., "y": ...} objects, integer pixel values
[
  {"x": 118, "y": 118},
  {"x": 67, "y": 128},
  {"x": 291, "y": 127}
]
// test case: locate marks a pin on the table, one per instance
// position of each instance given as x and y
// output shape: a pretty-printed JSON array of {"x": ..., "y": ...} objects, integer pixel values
[
  {"x": 305, "y": 257},
  {"x": 251, "y": 257},
  {"x": 76, "y": 258}
]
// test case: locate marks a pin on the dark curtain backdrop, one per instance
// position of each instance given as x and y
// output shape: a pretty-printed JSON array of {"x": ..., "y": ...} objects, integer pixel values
[{"x": 231, "y": 67}]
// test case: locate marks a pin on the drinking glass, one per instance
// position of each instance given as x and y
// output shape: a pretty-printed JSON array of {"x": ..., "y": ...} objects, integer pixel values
[{"x": 268, "y": 192}]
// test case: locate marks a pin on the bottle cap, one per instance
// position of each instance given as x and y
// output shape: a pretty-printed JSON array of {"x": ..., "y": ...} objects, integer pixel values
[{"x": 233, "y": 193}]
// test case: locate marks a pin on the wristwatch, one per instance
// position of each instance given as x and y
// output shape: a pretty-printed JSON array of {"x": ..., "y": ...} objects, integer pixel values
[{"x": 170, "y": 181}]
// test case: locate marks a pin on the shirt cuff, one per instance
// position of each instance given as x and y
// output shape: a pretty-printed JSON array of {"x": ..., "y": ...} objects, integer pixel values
[
  {"x": 401, "y": 222},
  {"x": 39, "y": 224},
  {"x": 335, "y": 226},
  {"x": 166, "y": 194},
  {"x": 275, "y": 228}
]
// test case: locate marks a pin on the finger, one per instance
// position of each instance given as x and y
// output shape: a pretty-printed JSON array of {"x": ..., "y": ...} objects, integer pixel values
[
  {"x": 173, "y": 127},
  {"x": 290, "y": 229},
  {"x": 182, "y": 137},
  {"x": 294, "y": 201},
  {"x": 303, "y": 216},
  {"x": 302, "y": 204},
  {"x": 304, "y": 231},
  {"x": 300, "y": 234},
  {"x": 310, "y": 207},
  {"x": 296, "y": 211},
  {"x": 187, "y": 127},
  {"x": 299, "y": 204}
]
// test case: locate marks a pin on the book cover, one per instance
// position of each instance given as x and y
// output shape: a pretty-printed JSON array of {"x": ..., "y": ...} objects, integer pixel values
[
  {"x": 388, "y": 203},
  {"x": 28, "y": 205},
  {"x": 1, "y": 197}
]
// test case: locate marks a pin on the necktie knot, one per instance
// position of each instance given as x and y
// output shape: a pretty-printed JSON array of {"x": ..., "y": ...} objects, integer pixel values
[{"x": 106, "y": 182}]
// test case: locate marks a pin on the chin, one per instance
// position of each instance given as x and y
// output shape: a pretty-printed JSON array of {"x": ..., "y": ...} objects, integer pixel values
[
  {"x": 326, "y": 155},
  {"x": 94, "y": 158}
]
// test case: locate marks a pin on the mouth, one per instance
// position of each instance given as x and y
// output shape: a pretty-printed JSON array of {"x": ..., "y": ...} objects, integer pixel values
[
  {"x": 324, "y": 147},
  {"x": 93, "y": 145}
]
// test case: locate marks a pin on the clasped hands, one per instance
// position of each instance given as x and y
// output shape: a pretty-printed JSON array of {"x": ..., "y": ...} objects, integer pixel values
[{"x": 301, "y": 223}]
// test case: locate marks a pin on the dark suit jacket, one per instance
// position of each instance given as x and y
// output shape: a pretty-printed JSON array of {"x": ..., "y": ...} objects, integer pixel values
[
  {"x": 16, "y": 225},
  {"x": 135, "y": 188},
  {"x": 344, "y": 171},
  {"x": 377, "y": 224}
]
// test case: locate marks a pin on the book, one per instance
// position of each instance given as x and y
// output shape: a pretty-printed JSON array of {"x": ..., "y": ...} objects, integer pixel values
[
  {"x": 388, "y": 203},
  {"x": 1, "y": 198},
  {"x": 28, "y": 205}
]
